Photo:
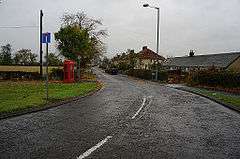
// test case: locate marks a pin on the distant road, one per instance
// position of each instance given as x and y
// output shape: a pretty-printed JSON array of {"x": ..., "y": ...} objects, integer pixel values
[{"x": 127, "y": 119}]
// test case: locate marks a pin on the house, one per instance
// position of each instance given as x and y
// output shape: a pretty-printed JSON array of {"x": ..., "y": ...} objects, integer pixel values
[
  {"x": 116, "y": 60},
  {"x": 146, "y": 58},
  {"x": 123, "y": 58},
  {"x": 222, "y": 61}
]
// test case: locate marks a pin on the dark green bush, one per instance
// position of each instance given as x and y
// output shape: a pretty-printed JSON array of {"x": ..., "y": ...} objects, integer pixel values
[
  {"x": 139, "y": 73},
  {"x": 215, "y": 78},
  {"x": 147, "y": 74},
  {"x": 56, "y": 74},
  {"x": 162, "y": 76},
  {"x": 8, "y": 75}
]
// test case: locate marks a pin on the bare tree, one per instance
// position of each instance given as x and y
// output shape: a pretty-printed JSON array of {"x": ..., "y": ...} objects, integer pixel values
[{"x": 81, "y": 20}]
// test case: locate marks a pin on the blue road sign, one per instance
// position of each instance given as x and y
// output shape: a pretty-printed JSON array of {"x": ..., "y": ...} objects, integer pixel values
[{"x": 46, "y": 38}]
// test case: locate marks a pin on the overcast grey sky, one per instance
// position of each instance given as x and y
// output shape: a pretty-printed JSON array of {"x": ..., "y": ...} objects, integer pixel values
[{"x": 207, "y": 26}]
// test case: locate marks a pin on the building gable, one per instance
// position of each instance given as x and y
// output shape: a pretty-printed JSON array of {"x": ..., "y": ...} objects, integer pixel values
[{"x": 235, "y": 65}]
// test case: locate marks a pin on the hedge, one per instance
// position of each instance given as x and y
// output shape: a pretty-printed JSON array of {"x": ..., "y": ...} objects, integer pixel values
[
  {"x": 56, "y": 74},
  {"x": 148, "y": 74},
  {"x": 19, "y": 75},
  {"x": 215, "y": 79}
]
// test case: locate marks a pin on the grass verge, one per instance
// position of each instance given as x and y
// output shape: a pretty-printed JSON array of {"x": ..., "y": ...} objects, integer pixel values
[
  {"x": 226, "y": 98},
  {"x": 17, "y": 96}
]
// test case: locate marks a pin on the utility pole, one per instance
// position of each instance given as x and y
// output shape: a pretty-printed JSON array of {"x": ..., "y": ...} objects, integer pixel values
[{"x": 41, "y": 51}]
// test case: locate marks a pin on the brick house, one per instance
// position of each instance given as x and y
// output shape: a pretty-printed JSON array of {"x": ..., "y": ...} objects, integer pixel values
[{"x": 146, "y": 58}]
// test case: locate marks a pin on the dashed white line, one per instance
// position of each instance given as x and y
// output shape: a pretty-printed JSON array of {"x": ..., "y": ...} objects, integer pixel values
[
  {"x": 91, "y": 150},
  {"x": 94, "y": 148},
  {"x": 144, "y": 101}
]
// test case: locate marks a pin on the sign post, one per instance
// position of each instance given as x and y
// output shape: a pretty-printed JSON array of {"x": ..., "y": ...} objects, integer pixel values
[
  {"x": 79, "y": 64},
  {"x": 41, "y": 52},
  {"x": 46, "y": 38}
]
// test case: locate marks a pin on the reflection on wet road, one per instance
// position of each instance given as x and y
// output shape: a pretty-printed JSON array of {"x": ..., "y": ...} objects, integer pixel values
[{"x": 129, "y": 118}]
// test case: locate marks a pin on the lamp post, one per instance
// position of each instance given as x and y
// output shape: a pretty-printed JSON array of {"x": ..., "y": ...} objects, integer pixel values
[
  {"x": 158, "y": 28},
  {"x": 158, "y": 23}
]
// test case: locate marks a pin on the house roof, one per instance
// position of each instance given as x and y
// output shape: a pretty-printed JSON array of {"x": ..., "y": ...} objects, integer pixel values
[
  {"x": 149, "y": 54},
  {"x": 218, "y": 60}
]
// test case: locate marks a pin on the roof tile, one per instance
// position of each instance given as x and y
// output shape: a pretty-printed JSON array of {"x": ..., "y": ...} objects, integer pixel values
[
  {"x": 149, "y": 54},
  {"x": 218, "y": 60}
]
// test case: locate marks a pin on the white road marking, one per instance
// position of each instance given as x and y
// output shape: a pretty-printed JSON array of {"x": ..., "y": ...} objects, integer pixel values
[
  {"x": 144, "y": 101},
  {"x": 91, "y": 150},
  {"x": 147, "y": 106},
  {"x": 150, "y": 97}
]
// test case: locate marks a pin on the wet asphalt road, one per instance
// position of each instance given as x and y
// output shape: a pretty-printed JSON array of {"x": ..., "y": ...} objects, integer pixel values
[{"x": 171, "y": 124}]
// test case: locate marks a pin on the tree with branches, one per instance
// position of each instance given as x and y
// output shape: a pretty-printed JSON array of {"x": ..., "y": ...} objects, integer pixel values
[
  {"x": 5, "y": 55},
  {"x": 79, "y": 36},
  {"x": 25, "y": 57},
  {"x": 54, "y": 60}
]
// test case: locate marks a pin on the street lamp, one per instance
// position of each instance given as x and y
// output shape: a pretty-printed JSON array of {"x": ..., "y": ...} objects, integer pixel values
[{"x": 158, "y": 28}]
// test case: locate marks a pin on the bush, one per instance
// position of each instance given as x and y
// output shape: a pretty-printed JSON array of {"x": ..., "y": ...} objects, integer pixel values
[
  {"x": 56, "y": 74},
  {"x": 162, "y": 76},
  {"x": 143, "y": 74},
  {"x": 19, "y": 75},
  {"x": 147, "y": 74},
  {"x": 215, "y": 79}
]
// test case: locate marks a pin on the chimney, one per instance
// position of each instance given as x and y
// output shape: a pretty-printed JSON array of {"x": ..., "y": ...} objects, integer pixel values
[
  {"x": 144, "y": 48},
  {"x": 191, "y": 53}
]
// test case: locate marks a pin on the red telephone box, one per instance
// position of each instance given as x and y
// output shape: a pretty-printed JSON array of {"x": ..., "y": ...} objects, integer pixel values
[{"x": 68, "y": 71}]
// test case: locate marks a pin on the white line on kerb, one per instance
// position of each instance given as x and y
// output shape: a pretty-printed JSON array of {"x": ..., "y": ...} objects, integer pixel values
[
  {"x": 144, "y": 100},
  {"x": 91, "y": 150}
]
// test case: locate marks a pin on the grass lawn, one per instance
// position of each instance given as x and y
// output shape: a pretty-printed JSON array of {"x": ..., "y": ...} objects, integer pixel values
[
  {"x": 224, "y": 97},
  {"x": 15, "y": 96}
]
